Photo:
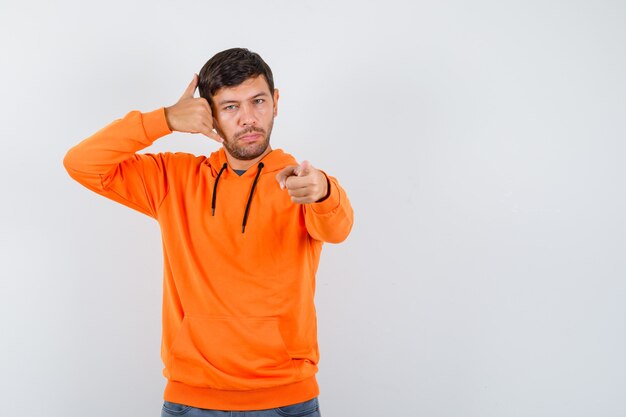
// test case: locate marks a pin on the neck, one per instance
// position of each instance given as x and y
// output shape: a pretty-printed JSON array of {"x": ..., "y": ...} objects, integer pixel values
[{"x": 243, "y": 165}]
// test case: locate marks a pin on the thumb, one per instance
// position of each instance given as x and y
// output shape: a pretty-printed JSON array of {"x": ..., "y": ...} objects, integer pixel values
[
  {"x": 303, "y": 169},
  {"x": 191, "y": 88}
]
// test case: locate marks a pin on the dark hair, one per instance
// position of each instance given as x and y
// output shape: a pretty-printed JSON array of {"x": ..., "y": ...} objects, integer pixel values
[{"x": 230, "y": 68}]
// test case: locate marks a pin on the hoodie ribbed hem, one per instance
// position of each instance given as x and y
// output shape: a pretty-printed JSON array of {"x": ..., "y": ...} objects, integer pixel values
[{"x": 260, "y": 399}]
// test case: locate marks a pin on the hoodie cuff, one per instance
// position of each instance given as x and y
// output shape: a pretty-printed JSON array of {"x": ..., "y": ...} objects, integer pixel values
[
  {"x": 155, "y": 124},
  {"x": 331, "y": 201}
]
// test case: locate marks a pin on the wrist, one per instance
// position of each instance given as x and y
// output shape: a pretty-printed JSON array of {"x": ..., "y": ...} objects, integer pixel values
[
  {"x": 327, "y": 193},
  {"x": 155, "y": 124},
  {"x": 168, "y": 117}
]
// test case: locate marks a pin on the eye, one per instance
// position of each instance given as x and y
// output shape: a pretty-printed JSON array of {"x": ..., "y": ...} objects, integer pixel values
[
  {"x": 259, "y": 101},
  {"x": 230, "y": 107}
]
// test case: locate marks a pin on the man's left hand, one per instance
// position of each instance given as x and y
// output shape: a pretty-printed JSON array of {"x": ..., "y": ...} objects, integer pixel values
[{"x": 304, "y": 183}]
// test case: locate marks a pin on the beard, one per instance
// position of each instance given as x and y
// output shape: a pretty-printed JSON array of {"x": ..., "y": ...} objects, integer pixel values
[{"x": 247, "y": 151}]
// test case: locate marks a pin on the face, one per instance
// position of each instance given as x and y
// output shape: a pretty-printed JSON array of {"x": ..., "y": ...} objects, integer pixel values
[{"x": 244, "y": 117}]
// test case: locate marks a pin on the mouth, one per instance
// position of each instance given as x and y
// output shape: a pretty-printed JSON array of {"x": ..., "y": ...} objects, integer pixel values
[{"x": 252, "y": 137}]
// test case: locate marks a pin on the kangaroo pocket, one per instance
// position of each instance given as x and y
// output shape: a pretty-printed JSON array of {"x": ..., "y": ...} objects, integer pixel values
[{"x": 230, "y": 353}]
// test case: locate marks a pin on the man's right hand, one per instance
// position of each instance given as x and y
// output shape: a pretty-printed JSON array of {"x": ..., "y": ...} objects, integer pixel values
[{"x": 192, "y": 114}]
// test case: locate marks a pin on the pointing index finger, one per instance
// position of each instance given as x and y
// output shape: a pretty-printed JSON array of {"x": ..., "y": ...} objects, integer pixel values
[
  {"x": 303, "y": 169},
  {"x": 286, "y": 172}
]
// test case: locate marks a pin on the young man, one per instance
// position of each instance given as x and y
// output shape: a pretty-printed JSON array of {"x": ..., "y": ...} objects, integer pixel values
[{"x": 242, "y": 235}]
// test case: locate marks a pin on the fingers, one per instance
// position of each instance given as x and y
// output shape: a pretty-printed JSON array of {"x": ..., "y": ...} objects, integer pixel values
[
  {"x": 303, "y": 200},
  {"x": 300, "y": 192},
  {"x": 303, "y": 195},
  {"x": 210, "y": 122},
  {"x": 286, "y": 172},
  {"x": 207, "y": 130},
  {"x": 191, "y": 88},
  {"x": 206, "y": 105},
  {"x": 191, "y": 114},
  {"x": 303, "y": 169},
  {"x": 304, "y": 183},
  {"x": 293, "y": 182},
  {"x": 211, "y": 134}
]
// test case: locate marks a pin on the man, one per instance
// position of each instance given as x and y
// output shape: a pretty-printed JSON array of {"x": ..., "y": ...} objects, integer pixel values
[{"x": 242, "y": 235}]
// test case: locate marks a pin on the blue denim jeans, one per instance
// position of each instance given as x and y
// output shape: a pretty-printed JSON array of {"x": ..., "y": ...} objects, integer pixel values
[{"x": 308, "y": 408}]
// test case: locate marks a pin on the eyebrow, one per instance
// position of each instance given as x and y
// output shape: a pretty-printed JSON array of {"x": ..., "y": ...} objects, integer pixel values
[{"x": 262, "y": 93}]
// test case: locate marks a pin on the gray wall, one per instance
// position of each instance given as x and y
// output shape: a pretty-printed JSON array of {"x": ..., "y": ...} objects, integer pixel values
[{"x": 481, "y": 143}]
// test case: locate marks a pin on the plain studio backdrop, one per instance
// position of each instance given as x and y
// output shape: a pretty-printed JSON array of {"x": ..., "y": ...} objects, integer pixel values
[{"x": 481, "y": 144}]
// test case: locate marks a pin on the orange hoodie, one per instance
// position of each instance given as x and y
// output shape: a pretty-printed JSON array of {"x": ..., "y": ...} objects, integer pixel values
[{"x": 239, "y": 322}]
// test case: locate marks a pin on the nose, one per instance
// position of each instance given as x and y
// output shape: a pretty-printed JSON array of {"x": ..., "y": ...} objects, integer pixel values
[{"x": 247, "y": 117}]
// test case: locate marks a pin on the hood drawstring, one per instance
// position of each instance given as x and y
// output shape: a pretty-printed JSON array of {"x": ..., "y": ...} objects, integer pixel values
[
  {"x": 245, "y": 216},
  {"x": 215, "y": 188}
]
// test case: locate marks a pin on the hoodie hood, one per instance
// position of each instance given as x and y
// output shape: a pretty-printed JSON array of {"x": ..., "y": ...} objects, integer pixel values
[
  {"x": 269, "y": 164},
  {"x": 272, "y": 162}
]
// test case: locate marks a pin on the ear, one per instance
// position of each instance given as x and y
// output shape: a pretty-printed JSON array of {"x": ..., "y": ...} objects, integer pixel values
[{"x": 276, "y": 96}]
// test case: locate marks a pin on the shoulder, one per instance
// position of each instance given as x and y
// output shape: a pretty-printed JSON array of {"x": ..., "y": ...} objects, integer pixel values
[
  {"x": 278, "y": 159},
  {"x": 172, "y": 161}
]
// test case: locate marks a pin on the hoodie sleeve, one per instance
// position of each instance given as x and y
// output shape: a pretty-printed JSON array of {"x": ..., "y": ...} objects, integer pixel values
[
  {"x": 108, "y": 164},
  {"x": 330, "y": 220}
]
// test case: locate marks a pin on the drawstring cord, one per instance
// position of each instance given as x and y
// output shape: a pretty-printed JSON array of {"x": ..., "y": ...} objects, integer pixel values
[
  {"x": 245, "y": 216},
  {"x": 215, "y": 188}
]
